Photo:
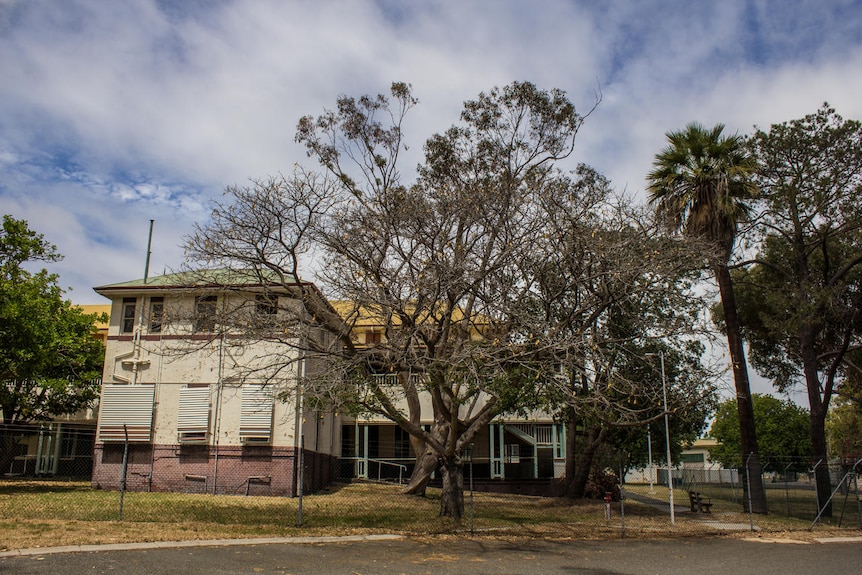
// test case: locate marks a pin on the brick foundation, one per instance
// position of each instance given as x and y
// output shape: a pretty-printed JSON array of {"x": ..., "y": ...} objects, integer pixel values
[{"x": 237, "y": 470}]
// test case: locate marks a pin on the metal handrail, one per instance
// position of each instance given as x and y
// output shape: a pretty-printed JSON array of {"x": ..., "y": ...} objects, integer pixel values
[{"x": 380, "y": 463}]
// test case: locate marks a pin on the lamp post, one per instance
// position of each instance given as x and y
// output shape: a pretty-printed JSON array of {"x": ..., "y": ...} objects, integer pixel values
[{"x": 666, "y": 434}]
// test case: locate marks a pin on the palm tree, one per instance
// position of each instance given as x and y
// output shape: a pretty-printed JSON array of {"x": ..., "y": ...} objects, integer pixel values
[{"x": 700, "y": 184}]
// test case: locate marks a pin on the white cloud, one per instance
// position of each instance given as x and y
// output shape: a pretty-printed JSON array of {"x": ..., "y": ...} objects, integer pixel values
[{"x": 115, "y": 113}]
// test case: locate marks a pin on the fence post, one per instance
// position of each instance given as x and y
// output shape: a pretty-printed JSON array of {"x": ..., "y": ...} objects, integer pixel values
[
  {"x": 622, "y": 505},
  {"x": 786, "y": 489},
  {"x": 37, "y": 467},
  {"x": 123, "y": 471},
  {"x": 856, "y": 485},
  {"x": 300, "y": 461},
  {"x": 748, "y": 488},
  {"x": 470, "y": 453},
  {"x": 831, "y": 496},
  {"x": 733, "y": 485}
]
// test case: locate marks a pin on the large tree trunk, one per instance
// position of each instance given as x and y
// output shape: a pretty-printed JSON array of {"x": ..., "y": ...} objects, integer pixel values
[
  {"x": 816, "y": 421},
  {"x": 426, "y": 464},
  {"x": 577, "y": 483},
  {"x": 452, "y": 495},
  {"x": 752, "y": 467},
  {"x": 821, "y": 473},
  {"x": 426, "y": 458}
]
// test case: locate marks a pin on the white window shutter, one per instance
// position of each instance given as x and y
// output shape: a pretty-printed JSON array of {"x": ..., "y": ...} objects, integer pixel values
[
  {"x": 129, "y": 407},
  {"x": 193, "y": 417},
  {"x": 256, "y": 417}
]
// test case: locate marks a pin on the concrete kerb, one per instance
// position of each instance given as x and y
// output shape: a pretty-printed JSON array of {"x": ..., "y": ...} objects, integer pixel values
[
  {"x": 195, "y": 543},
  {"x": 37, "y": 551},
  {"x": 839, "y": 539}
]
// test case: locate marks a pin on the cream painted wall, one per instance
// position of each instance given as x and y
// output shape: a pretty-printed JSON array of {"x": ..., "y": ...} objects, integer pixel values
[{"x": 172, "y": 359}]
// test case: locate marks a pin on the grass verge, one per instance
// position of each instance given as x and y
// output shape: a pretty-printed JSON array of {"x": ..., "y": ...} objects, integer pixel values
[{"x": 48, "y": 514}]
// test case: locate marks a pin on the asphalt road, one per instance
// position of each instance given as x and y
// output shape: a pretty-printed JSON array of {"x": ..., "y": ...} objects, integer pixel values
[{"x": 461, "y": 557}]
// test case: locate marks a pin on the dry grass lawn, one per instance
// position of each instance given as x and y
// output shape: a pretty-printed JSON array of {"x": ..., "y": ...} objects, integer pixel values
[{"x": 48, "y": 514}]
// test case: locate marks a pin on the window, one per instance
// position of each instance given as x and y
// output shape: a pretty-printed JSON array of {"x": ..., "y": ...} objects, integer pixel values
[
  {"x": 76, "y": 443},
  {"x": 157, "y": 312},
  {"x": 402, "y": 443},
  {"x": 373, "y": 435},
  {"x": 266, "y": 304},
  {"x": 372, "y": 337},
  {"x": 68, "y": 439},
  {"x": 205, "y": 313},
  {"x": 513, "y": 453},
  {"x": 128, "y": 317},
  {"x": 692, "y": 458}
]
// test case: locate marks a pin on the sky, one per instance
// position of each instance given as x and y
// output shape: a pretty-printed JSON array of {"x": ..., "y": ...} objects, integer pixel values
[{"x": 116, "y": 113}]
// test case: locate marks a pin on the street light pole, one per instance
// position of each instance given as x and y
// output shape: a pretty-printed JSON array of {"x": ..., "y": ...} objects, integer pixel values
[
  {"x": 667, "y": 436},
  {"x": 660, "y": 355}
]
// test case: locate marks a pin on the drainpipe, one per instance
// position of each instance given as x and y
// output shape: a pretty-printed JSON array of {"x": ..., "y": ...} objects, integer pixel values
[
  {"x": 156, "y": 403},
  {"x": 219, "y": 384},
  {"x": 298, "y": 443}
]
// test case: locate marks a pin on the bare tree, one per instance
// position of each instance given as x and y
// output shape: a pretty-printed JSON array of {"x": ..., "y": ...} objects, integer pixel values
[
  {"x": 420, "y": 257},
  {"x": 451, "y": 265}
]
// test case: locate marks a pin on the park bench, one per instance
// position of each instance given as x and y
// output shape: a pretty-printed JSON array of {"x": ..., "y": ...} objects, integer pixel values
[{"x": 699, "y": 502}]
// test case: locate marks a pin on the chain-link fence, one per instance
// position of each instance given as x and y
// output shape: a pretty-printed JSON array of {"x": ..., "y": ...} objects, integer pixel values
[
  {"x": 790, "y": 486},
  {"x": 705, "y": 499},
  {"x": 62, "y": 450}
]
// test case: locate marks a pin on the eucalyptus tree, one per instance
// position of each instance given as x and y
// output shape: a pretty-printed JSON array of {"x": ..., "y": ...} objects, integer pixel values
[
  {"x": 606, "y": 288},
  {"x": 424, "y": 258},
  {"x": 844, "y": 422},
  {"x": 702, "y": 185},
  {"x": 803, "y": 308}
]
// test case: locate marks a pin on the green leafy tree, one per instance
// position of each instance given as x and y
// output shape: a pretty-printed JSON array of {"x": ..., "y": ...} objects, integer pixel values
[
  {"x": 782, "y": 432},
  {"x": 801, "y": 303},
  {"x": 701, "y": 184},
  {"x": 609, "y": 287},
  {"x": 691, "y": 402},
  {"x": 49, "y": 360},
  {"x": 844, "y": 422},
  {"x": 844, "y": 427}
]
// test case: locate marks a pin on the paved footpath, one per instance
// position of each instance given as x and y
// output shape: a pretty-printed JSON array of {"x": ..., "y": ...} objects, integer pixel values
[{"x": 384, "y": 555}]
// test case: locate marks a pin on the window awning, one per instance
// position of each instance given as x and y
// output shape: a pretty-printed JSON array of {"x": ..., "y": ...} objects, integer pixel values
[
  {"x": 126, "y": 409},
  {"x": 256, "y": 416},
  {"x": 193, "y": 418}
]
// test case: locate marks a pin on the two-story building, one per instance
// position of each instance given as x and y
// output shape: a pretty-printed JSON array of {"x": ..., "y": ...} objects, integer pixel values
[
  {"x": 202, "y": 383},
  {"x": 190, "y": 383}
]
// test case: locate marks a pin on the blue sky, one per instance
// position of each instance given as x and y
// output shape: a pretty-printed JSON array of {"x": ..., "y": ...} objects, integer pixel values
[{"x": 115, "y": 113}]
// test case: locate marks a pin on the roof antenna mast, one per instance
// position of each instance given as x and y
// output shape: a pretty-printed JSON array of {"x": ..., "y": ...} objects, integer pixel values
[{"x": 149, "y": 252}]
